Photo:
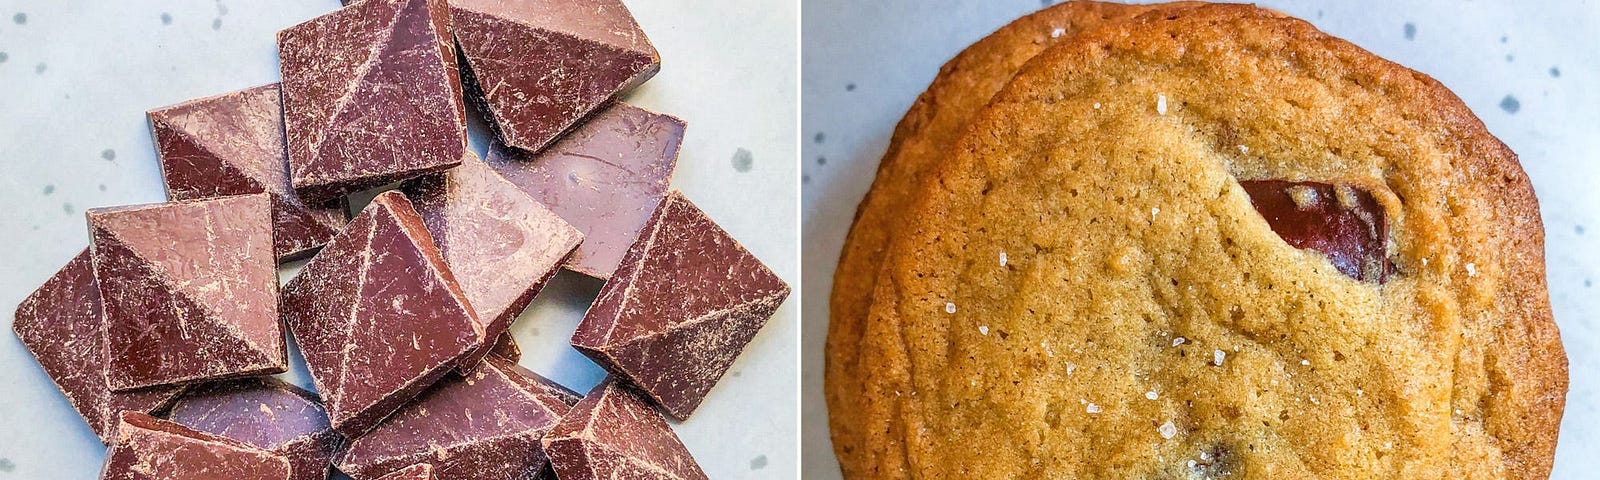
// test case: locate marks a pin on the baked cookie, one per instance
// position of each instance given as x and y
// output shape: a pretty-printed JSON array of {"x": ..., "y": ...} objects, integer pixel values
[
  {"x": 924, "y": 136},
  {"x": 1211, "y": 243}
]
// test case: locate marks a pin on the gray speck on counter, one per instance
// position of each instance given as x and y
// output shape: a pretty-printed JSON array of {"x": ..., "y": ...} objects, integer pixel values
[
  {"x": 849, "y": 87},
  {"x": 805, "y": 179},
  {"x": 1587, "y": 283},
  {"x": 822, "y": 160},
  {"x": 108, "y": 154},
  {"x": 1411, "y": 31},
  {"x": 1509, "y": 58},
  {"x": 67, "y": 207},
  {"x": 1578, "y": 228},
  {"x": 742, "y": 159},
  {"x": 1504, "y": 39},
  {"x": 819, "y": 138},
  {"x": 534, "y": 331},
  {"x": 1510, "y": 104},
  {"x": 5, "y": 463},
  {"x": 4, "y": 57},
  {"x": 20, "y": 18},
  {"x": 216, "y": 24},
  {"x": 49, "y": 189},
  {"x": 102, "y": 187},
  {"x": 1555, "y": 72},
  {"x": 760, "y": 462},
  {"x": 166, "y": 18},
  {"x": 40, "y": 68},
  {"x": 222, "y": 9}
]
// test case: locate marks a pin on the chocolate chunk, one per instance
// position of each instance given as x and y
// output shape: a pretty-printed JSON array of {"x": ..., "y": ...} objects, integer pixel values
[
  {"x": 485, "y": 424},
  {"x": 371, "y": 95},
  {"x": 378, "y": 315},
  {"x": 1343, "y": 222},
  {"x": 189, "y": 291},
  {"x": 506, "y": 347},
  {"x": 421, "y": 471},
  {"x": 265, "y": 413},
  {"x": 605, "y": 178},
  {"x": 613, "y": 433},
  {"x": 683, "y": 304},
  {"x": 60, "y": 325},
  {"x": 540, "y": 66},
  {"x": 501, "y": 244},
  {"x": 150, "y": 448},
  {"x": 232, "y": 144}
]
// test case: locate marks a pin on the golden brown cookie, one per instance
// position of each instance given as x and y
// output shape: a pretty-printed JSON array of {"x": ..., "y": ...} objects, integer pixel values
[
  {"x": 923, "y": 137},
  {"x": 1111, "y": 276}
]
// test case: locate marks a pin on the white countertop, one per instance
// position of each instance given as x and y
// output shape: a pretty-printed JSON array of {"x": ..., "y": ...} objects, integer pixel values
[
  {"x": 1529, "y": 69},
  {"x": 78, "y": 76}
]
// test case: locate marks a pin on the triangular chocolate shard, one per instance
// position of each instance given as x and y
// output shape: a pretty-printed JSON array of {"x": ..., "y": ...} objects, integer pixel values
[
  {"x": 613, "y": 433},
  {"x": 685, "y": 301},
  {"x": 265, "y": 413},
  {"x": 605, "y": 178},
  {"x": 541, "y": 66},
  {"x": 232, "y": 144},
  {"x": 501, "y": 243},
  {"x": 150, "y": 448},
  {"x": 60, "y": 325},
  {"x": 421, "y": 471},
  {"x": 378, "y": 315},
  {"x": 506, "y": 348},
  {"x": 174, "y": 313},
  {"x": 371, "y": 96},
  {"x": 485, "y": 424}
]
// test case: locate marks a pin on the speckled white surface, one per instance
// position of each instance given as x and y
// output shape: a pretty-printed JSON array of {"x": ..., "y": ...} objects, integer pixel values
[
  {"x": 76, "y": 78},
  {"x": 1529, "y": 69}
]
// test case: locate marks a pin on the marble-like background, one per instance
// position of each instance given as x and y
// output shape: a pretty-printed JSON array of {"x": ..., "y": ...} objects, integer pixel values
[
  {"x": 76, "y": 78},
  {"x": 1528, "y": 69}
]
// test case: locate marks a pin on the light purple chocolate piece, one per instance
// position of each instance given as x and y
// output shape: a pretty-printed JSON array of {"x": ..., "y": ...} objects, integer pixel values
[
  {"x": 501, "y": 244},
  {"x": 541, "y": 66},
  {"x": 612, "y": 434},
  {"x": 605, "y": 178},
  {"x": 232, "y": 144},
  {"x": 149, "y": 448},
  {"x": 485, "y": 424},
  {"x": 378, "y": 315},
  {"x": 681, "y": 307},
  {"x": 189, "y": 291},
  {"x": 60, "y": 325},
  {"x": 421, "y": 471},
  {"x": 371, "y": 96},
  {"x": 265, "y": 413}
]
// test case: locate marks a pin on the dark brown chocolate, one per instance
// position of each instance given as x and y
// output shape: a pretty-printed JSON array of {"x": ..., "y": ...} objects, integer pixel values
[
  {"x": 189, "y": 291},
  {"x": 232, "y": 144},
  {"x": 149, "y": 448},
  {"x": 506, "y": 347},
  {"x": 371, "y": 96},
  {"x": 604, "y": 178},
  {"x": 681, "y": 307},
  {"x": 540, "y": 66},
  {"x": 421, "y": 471},
  {"x": 265, "y": 413},
  {"x": 613, "y": 434},
  {"x": 1342, "y": 222},
  {"x": 501, "y": 244},
  {"x": 485, "y": 424},
  {"x": 60, "y": 325},
  {"x": 378, "y": 315}
]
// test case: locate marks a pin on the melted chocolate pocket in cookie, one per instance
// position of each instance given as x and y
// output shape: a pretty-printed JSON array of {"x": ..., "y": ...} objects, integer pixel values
[{"x": 1343, "y": 222}]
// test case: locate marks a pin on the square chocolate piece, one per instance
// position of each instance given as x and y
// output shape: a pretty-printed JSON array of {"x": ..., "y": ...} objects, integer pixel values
[
  {"x": 485, "y": 424},
  {"x": 265, "y": 413},
  {"x": 681, "y": 307},
  {"x": 378, "y": 315},
  {"x": 611, "y": 434},
  {"x": 371, "y": 96},
  {"x": 501, "y": 244},
  {"x": 60, "y": 325},
  {"x": 232, "y": 144},
  {"x": 149, "y": 448},
  {"x": 541, "y": 66},
  {"x": 605, "y": 178},
  {"x": 189, "y": 291}
]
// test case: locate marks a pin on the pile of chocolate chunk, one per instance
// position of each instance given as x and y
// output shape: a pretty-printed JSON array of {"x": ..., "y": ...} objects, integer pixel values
[{"x": 165, "y": 332}]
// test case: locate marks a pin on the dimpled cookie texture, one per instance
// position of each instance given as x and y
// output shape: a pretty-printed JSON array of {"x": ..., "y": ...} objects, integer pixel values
[
  {"x": 921, "y": 140},
  {"x": 1084, "y": 289}
]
